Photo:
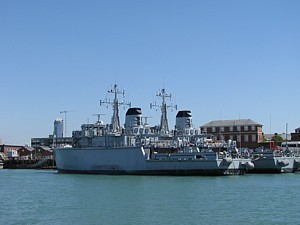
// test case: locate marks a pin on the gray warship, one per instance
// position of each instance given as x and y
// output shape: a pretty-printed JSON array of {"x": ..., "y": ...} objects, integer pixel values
[
  {"x": 138, "y": 149},
  {"x": 275, "y": 161}
]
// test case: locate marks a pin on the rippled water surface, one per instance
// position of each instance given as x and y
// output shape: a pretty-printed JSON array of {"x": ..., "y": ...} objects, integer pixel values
[{"x": 46, "y": 197}]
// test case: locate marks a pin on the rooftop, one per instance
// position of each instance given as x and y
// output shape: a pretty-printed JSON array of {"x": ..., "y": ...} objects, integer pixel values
[{"x": 226, "y": 123}]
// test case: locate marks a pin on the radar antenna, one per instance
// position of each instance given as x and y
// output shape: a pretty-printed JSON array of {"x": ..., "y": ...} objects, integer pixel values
[
  {"x": 98, "y": 117},
  {"x": 164, "y": 127},
  {"x": 115, "y": 120}
]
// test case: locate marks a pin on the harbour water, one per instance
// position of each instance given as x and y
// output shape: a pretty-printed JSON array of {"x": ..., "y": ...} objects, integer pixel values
[{"x": 46, "y": 197}]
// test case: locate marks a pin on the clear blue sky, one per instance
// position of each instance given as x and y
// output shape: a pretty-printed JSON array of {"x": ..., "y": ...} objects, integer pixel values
[{"x": 220, "y": 59}]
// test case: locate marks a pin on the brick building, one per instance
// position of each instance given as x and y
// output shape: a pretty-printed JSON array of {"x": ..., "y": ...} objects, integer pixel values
[
  {"x": 25, "y": 151},
  {"x": 42, "y": 151},
  {"x": 296, "y": 135},
  {"x": 6, "y": 148},
  {"x": 246, "y": 132}
]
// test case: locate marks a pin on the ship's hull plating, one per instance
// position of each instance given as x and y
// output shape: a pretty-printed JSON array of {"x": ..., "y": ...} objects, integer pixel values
[
  {"x": 273, "y": 164},
  {"x": 134, "y": 161}
]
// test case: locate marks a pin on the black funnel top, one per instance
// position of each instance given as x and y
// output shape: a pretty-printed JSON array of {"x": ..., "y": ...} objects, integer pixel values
[
  {"x": 134, "y": 111},
  {"x": 184, "y": 113}
]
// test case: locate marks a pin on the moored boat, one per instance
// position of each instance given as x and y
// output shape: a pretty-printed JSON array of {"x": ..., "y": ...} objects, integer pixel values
[
  {"x": 135, "y": 161},
  {"x": 277, "y": 161},
  {"x": 139, "y": 149}
]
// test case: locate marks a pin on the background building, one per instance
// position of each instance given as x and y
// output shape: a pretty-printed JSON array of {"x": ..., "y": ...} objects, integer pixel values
[
  {"x": 246, "y": 132},
  {"x": 296, "y": 135},
  {"x": 26, "y": 152},
  {"x": 268, "y": 137},
  {"x": 6, "y": 148},
  {"x": 51, "y": 141},
  {"x": 59, "y": 128},
  {"x": 57, "y": 139}
]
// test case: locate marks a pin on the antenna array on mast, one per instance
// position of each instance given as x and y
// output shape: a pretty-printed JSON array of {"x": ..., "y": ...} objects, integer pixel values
[
  {"x": 164, "y": 127},
  {"x": 115, "y": 121}
]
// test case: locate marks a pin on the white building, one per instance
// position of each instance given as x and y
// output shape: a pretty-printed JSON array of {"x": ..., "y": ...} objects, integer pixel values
[{"x": 59, "y": 128}]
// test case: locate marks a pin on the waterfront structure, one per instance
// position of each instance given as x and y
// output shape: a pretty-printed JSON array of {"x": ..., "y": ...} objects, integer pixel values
[
  {"x": 111, "y": 149},
  {"x": 51, "y": 141},
  {"x": 26, "y": 152},
  {"x": 246, "y": 132},
  {"x": 39, "y": 152},
  {"x": 6, "y": 148},
  {"x": 42, "y": 151}
]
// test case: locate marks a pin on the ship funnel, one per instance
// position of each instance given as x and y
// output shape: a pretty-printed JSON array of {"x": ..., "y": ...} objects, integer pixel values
[
  {"x": 183, "y": 120},
  {"x": 133, "y": 119}
]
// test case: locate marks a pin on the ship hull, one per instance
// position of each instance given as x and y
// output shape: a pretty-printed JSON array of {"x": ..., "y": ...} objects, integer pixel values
[
  {"x": 274, "y": 164},
  {"x": 134, "y": 161},
  {"x": 158, "y": 172}
]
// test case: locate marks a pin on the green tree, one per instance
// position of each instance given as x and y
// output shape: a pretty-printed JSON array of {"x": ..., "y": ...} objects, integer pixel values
[
  {"x": 264, "y": 139},
  {"x": 277, "y": 140}
]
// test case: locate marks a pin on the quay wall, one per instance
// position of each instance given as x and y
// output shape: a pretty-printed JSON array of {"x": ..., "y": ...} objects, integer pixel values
[{"x": 29, "y": 164}]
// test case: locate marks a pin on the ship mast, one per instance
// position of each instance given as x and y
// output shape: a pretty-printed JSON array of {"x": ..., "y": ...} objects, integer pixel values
[
  {"x": 164, "y": 127},
  {"x": 115, "y": 120}
]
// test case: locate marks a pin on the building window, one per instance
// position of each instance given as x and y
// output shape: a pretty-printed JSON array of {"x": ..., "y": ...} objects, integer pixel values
[
  {"x": 253, "y": 138},
  {"x": 246, "y": 138},
  {"x": 253, "y": 127},
  {"x": 231, "y": 128},
  {"x": 238, "y": 128},
  {"x": 239, "y": 138},
  {"x": 213, "y": 129},
  {"x": 205, "y": 130},
  {"x": 245, "y": 128},
  {"x": 231, "y": 137},
  {"x": 222, "y": 129}
]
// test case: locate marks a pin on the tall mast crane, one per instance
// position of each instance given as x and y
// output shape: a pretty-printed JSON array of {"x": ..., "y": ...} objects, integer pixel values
[{"x": 65, "y": 122}]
